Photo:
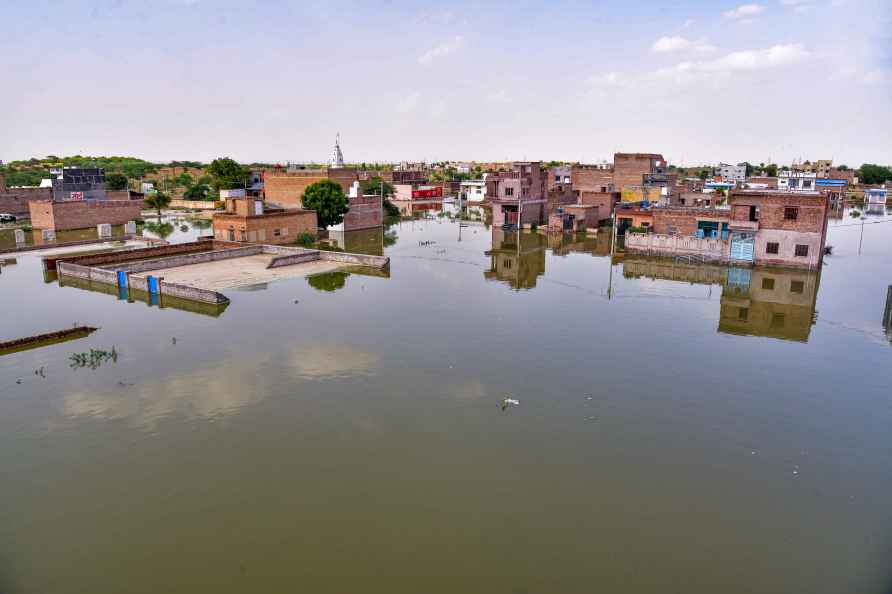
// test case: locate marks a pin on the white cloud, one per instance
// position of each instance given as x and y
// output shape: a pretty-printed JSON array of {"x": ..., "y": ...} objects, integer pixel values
[
  {"x": 746, "y": 60},
  {"x": 670, "y": 44},
  {"x": 677, "y": 43},
  {"x": 798, "y": 6},
  {"x": 744, "y": 12},
  {"x": 409, "y": 102},
  {"x": 444, "y": 49}
]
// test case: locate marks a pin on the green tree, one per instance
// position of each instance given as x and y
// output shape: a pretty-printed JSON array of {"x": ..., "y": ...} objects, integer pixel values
[
  {"x": 749, "y": 168},
  {"x": 197, "y": 192},
  {"x": 771, "y": 170},
  {"x": 162, "y": 230},
  {"x": 328, "y": 281},
  {"x": 874, "y": 174},
  {"x": 115, "y": 181},
  {"x": 843, "y": 167},
  {"x": 328, "y": 200},
  {"x": 226, "y": 174},
  {"x": 373, "y": 186},
  {"x": 158, "y": 200},
  {"x": 704, "y": 173}
]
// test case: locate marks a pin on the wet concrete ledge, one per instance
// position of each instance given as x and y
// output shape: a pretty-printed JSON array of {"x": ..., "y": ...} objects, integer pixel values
[
  {"x": 136, "y": 267},
  {"x": 41, "y": 340}
]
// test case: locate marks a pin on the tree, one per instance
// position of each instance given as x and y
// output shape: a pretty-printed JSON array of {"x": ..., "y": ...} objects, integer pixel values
[
  {"x": 197, "y": 192},
  {"x": 162, "y": 230},
  {"x": 158, "y": 200},
  {"x": 771, "y": 170},
  {"x": 328, "y": 200},
  {"x": 226, "y": 174},
  {"x": 328, "y": 281},
  {"x": 374, "y": 185},
  {"x": 874, "y": 174},
  {"x": 704, "y": 173},
  {"x": 749, "y": 169},
  {"x": 115, "y": 181},
  {"x": 843, "y": 167}
]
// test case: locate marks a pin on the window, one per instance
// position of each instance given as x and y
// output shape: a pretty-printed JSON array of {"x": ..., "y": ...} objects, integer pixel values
[
  {"x": 768, "y": 284},
  {"x": 681, "y": 201},
  {"x": 277, "y": 232},
  {"x": 743, "y": 314},
  {"x": 777, "y": 320},
  {"x": 791, "y": 213},
  {"x": 797, "y": 286},
  {"x": 772, "y": 247},
  {"x": 509, "y": 191},
  {"x": 801, "y": 250}
]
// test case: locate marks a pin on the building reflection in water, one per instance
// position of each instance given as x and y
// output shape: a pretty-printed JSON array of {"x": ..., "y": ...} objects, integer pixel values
[
  {"x": 562, "y": 244},
  {"x": 364, "y": 241},
  {"x": 772, "y": 302},
  {"x": 516, "y": 258},
  {"x": 887, "y": 314}
]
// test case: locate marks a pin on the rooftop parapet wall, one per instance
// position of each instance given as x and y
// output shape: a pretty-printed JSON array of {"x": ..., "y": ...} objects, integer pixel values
[{"x": 711, "y": 250}]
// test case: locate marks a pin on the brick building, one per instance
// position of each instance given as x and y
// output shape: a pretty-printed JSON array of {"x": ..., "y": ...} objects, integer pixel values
[
  {"x": 248, "y": 220},
  {"x": 592, "y": 178},
  {"x": 691, "y": 221},
  {"x": 366, "y": 211},
  {"x": 286, "y": 187},
  {"x": 605, "y": 201},
  {"x": 80, "y": 214},
  {"x": 409, "y": 192},
  {"x": 517, "y": 196},
  {"x": 629, "y": 169},
  {"x": 16, "y": 201},
  {"x": 778, "y": 228}
]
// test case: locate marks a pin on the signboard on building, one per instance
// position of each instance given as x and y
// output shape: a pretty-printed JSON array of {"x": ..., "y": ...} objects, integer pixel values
[
  {"x": 75, "y": 195},
  {"x": 428, "y": 192}
]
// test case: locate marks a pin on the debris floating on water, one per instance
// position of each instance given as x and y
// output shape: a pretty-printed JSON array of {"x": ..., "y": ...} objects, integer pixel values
[{"x": 506, "y": 402}]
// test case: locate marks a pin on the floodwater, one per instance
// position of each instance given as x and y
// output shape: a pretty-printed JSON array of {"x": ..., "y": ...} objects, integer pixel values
[{"x": 679, "y": 428}]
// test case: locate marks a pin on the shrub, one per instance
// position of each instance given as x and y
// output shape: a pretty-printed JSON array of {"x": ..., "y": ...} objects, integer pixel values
[{"x": 305, "y": 239}]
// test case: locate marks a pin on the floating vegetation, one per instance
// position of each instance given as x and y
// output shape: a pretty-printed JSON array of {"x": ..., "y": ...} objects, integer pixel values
[{"x": 93, "y": 359}]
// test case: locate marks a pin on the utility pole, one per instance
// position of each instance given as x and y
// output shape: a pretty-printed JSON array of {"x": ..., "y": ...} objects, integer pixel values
[
  {"x": 861, "y": 239},
  {"x": 612, "y": 252}
]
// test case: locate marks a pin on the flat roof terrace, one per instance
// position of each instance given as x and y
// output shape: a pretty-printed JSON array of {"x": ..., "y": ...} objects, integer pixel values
[
  {"x": 196, "y": 271},
  {"x": 240, "y": 272}
]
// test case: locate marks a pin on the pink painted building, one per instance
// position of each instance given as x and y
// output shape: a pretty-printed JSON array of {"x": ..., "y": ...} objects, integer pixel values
[{"x": 517, "y": 196}]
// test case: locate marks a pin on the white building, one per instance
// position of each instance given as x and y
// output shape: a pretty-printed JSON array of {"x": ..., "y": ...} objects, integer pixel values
[
  {"x": 337, "y": 157},
  {"x": 473, "y": 190},
  {"x": 733, "y": 173},
  {"x": 796, "y": 181}
]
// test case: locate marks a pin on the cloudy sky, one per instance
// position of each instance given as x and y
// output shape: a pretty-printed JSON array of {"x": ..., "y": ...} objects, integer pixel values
[{"x": 700, "y": 81}]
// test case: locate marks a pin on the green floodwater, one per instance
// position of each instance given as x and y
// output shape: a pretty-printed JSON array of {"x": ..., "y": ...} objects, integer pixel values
[{"x": 680, "y": 428}]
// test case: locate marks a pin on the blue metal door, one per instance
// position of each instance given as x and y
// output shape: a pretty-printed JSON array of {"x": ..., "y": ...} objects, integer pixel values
[
  {"x": 153, "y": 285},
  {"x": 739, "y": 279},
  {"x": 122, "y": 279},
  {"x": 743, "y": 246}
]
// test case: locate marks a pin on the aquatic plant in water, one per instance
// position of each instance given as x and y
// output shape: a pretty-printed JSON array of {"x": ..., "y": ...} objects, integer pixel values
[{"x": 93, "y": 358}]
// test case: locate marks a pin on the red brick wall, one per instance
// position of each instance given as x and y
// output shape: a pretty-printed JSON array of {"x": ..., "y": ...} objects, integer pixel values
[
  {"x": 46, "y": 214},
  {"x": 15, "y": 200},
  {"x": 629, "y": 168},
  {"x": 590, "y": 179},
  {"x": 262, "y": 229},
  {"x": 287, "y": 187},
  {"x": 683, "y": 221},
  {"x": 603, "y": 200},
  {"x": 811, "y": 216},
  {"x": 365, "y": 212}
]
